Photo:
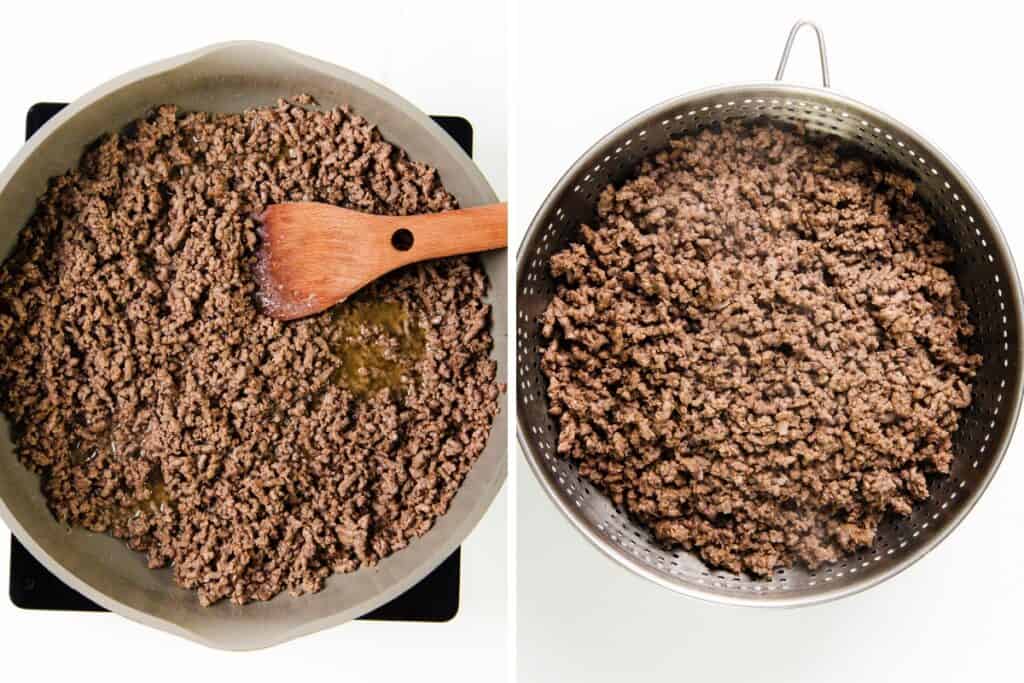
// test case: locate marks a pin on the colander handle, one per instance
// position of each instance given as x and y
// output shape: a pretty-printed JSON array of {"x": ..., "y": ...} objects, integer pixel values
[{"x": 789, "y": 46}]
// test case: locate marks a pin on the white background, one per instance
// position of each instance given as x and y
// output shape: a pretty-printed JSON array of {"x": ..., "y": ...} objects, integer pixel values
[
  {"x": 952, "y": 74},
  {"x": 444, "y": 63}
]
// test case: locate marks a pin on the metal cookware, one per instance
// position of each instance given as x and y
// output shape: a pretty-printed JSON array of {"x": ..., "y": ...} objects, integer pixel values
[
  {"x": 229, "y": 78},
  {"x": 984, "y": 269}
]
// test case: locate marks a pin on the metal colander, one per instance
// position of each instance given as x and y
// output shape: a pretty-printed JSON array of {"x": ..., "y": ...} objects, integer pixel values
[{"x": 983, "y": 268}]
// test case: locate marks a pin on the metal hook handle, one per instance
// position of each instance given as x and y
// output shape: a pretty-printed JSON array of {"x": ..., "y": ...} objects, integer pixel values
[{"x": 789, "y": 46}]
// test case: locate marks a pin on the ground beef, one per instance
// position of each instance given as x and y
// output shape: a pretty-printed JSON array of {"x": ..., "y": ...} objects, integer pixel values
[
  {"x": 158, "y": 403},
  {"x": 757, "y": 350}
]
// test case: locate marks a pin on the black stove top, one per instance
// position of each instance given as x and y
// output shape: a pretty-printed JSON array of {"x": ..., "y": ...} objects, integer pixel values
[{"x": 434, "y": 599}]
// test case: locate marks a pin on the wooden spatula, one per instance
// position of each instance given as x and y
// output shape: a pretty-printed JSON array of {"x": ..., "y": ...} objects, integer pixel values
[{"x": 316, "y": 255}]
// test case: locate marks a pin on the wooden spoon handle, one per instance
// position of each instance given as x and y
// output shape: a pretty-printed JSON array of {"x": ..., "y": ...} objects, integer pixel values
[{"x": 462, "y": 231}]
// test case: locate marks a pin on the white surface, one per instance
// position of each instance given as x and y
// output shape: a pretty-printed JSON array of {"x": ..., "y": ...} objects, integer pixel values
[
  {"x": 57, "y": 51},
  {"x": 946, "y": 72}
]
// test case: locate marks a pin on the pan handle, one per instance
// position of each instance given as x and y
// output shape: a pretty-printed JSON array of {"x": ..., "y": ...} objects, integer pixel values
[{"x": 789, "y": 46}]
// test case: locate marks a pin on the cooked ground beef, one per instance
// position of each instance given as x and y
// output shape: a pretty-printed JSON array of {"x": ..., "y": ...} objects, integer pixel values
[
  {"x": 756, "y": 350},
  {"x": 158, "y": 403}
]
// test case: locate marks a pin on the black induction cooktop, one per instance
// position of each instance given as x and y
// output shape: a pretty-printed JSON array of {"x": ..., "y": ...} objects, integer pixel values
[{"x": 434, "y": 599}]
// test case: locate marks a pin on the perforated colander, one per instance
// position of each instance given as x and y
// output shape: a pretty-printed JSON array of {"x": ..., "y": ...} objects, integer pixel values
[{"x": 983, "y": 268}]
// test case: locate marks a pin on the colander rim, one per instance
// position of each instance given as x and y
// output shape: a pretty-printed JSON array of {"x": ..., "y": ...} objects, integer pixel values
[{"x": 824, "y": 593}]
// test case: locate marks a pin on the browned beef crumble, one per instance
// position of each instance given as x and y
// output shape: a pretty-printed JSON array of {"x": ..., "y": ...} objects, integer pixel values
[
  {"x": 756, "y": 350},
  {"x": 159, "y": 404}
]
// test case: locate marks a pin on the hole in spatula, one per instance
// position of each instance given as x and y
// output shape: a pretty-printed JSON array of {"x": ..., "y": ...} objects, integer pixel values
[{"x": 402, "y": 240}]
